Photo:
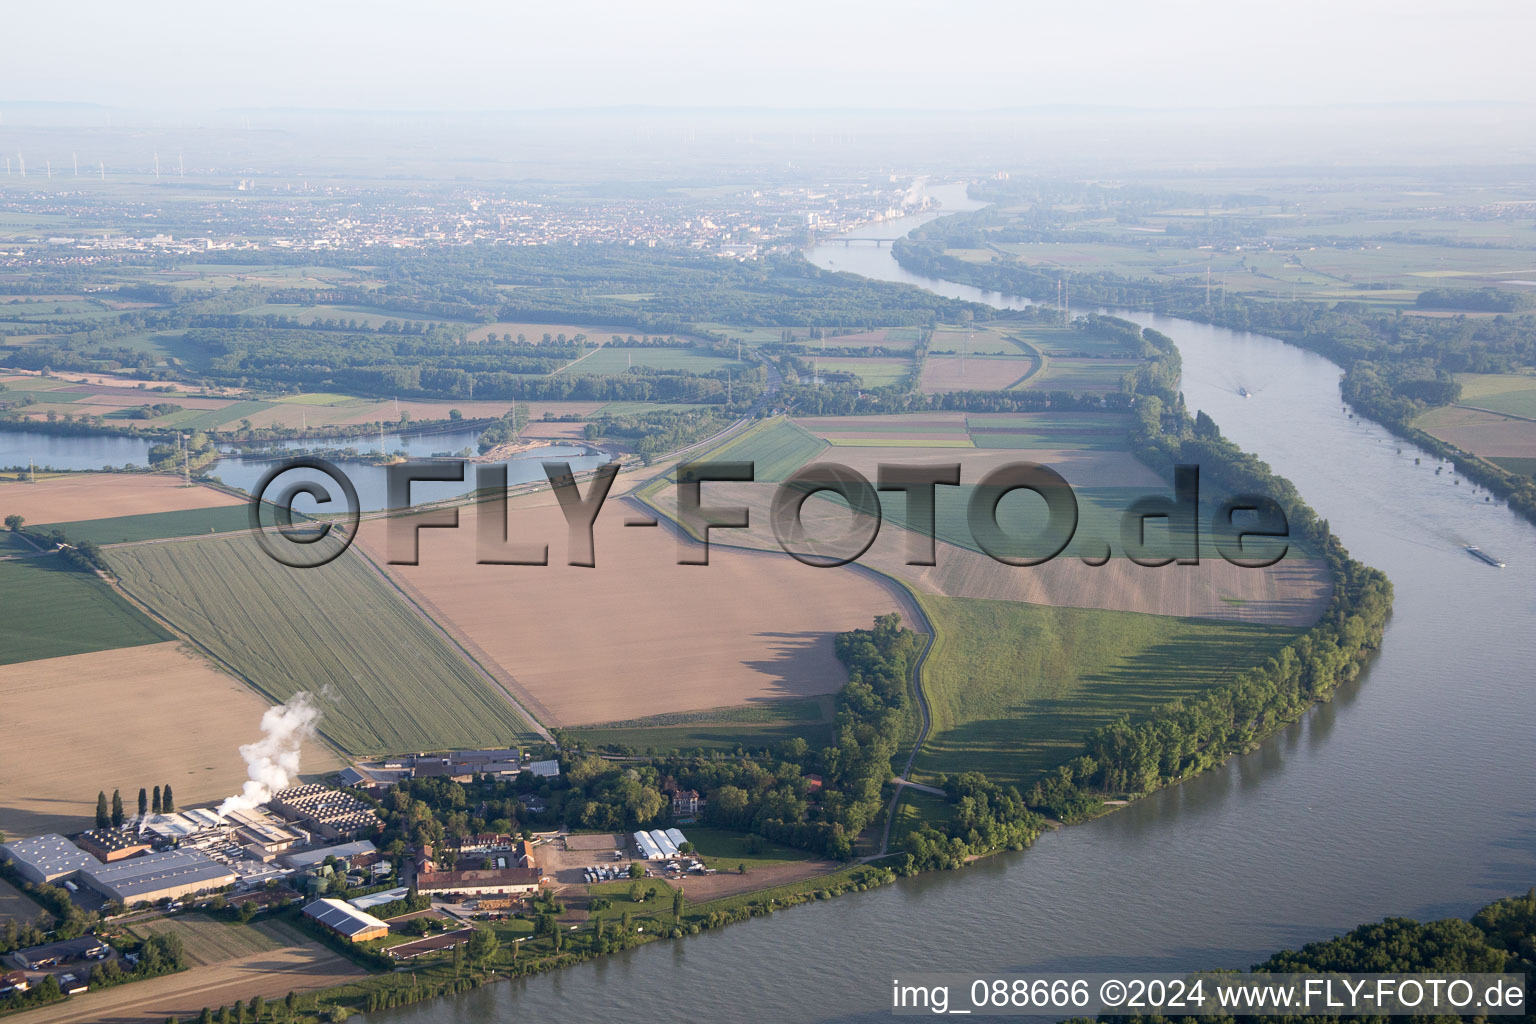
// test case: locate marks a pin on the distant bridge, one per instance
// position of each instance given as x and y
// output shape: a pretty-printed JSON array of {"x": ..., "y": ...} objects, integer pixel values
[{"x": 850, "y": 241}]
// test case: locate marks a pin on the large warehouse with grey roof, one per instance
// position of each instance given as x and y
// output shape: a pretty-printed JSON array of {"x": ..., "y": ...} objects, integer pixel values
[{"x": 158, "y": 876}]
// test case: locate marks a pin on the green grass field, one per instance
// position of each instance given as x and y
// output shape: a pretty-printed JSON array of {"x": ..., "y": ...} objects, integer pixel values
[
  {"x": 915, "y": 808},
  {"x": 1012, "y": 688},
  {"x": 609, "y": 360},
  {"x": 842, "y": 441},
  {"x": 875, "y": 373},
  {"x": 209, "y": 941},
  {"x": 725, "y": 850},
  {"x": 52, "y": 610},
  {"x": 188, "y": 522},
  {"x": 777, "y": 447},
  {"x": 1516, "y": 464},
  {"x": 1072, "y": 374},
  {"x": 1067, "y": 431},
  {"x": 1512, "y": 393},
  {"x": 385, "y": 679},
  {"x": 750, "y": 726}
]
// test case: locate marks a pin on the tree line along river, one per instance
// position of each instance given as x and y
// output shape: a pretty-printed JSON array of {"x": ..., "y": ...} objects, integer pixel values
[{"x": 1408, "y": 794}]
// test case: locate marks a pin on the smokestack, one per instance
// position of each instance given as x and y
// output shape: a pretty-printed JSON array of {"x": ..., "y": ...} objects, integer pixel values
[{"x": 273, "y": 761}]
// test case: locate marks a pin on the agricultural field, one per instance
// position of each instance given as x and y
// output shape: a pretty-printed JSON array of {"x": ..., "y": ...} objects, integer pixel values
[
  {"x": 918, "y": 426},
  {"x": 979, "y": 340},
  {"x": 209, "y": 941},
  {"x": 1519, "y": 466},
  {"x": 1487, "y": 434},
  {"x": 1049, "y": 430},
  {"x": 750, "y": 726},
  {"x": 881, "y": 339},
  {"x": 1105, "y": 480},
  {"x": 874, "y": 372},
  {"x": 159, "y": 525},
  {"x": 610, "y": 360},
  {"x": 777, "y": 447},
  {"x": 975, "y": 373},
  {"x": 41, "y": 594},
  {"x": 297, "y": 964},
  {"x": 1510, "y": 393},
  {"x": 385, "y": 679},
  {"x": 1070, "y": 373},
  {"x": 1063, "y": 341},
  {"x": 1012, "y": 688},
  {"x": 76, "y": 497},
  {"x": 639, "y": 635},
  {"x": 119, "y": 704}
]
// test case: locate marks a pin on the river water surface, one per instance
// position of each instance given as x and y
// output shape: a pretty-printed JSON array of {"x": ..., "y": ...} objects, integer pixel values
[{"x": 1411, "y": 793}]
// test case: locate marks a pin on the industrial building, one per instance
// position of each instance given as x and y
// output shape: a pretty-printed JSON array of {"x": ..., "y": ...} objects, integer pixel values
[
  {"x": 156, "y": 876},
  {"x": 378, "y": 899},
  {"x": 507, "y": 881},
  {"x": 329, "y": 812},
  {"x": 110, "y": 844},
  {"x": 55, "y": 953},
  {"x": 263, "y": 836},
  {"x": 192, "y": 825},
  {"x": 46, "y": 858},
  {"x": 346, "y": 921},
  {"x": 355, "y": 854}
]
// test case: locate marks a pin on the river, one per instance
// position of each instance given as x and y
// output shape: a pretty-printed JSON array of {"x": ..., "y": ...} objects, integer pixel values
[{"x": 1408, "y": 794}]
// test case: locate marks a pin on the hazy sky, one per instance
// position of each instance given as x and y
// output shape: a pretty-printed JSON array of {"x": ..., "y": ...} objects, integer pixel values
[{"x": 486, "y": 55}]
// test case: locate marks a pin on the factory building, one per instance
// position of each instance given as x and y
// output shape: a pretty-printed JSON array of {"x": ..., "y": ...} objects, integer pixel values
[
  {"x": 348, "y": 922},
  {"x": 329, "y": 812},
  {"x": 358, "y": 854},
  {"x": 156, "y": 876},
  {"x": 111, "y": 844},
  {"x": 196, "y": 824},
  {"x": 46, "y": 858},
  {"x": 507, "y": 881}
]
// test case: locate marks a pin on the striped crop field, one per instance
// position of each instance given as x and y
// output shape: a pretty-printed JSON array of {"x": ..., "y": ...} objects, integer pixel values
[{"x": 385, "y": 679}]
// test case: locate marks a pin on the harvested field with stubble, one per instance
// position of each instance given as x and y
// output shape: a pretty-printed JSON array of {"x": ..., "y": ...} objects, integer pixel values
[
  {"x": 639, "y": 635},
  {"x": 79, "y": 496},
  {"x": 385, "y": 679},
  {"x": 119, "y": 704}
]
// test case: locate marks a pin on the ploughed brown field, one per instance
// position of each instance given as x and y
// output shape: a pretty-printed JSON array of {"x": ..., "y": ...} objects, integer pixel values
[
  {"x": 79, "y": 496},
  {"x": 975, "y": 373},
  {"x": 637, "y": 635},
  {"x": 1482, "y": 433},
  {"x": 118, "y": 709}
]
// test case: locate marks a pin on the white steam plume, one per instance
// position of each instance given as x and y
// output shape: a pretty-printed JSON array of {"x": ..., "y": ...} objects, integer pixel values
[{"x": 273, "y": 761}]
